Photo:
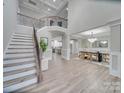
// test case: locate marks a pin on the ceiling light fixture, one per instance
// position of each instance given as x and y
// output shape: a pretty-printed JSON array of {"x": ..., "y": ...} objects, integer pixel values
[
  {"x": 67, "y": 9},
  {"x": 54, "y": 0},
  {"x": 104, "y": 42},
  {"x": 49, "y": 9},
  {"x": 92, "y": 39},
  {"x": 71, "y": 42}
]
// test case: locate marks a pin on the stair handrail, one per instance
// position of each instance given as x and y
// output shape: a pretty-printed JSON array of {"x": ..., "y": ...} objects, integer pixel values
[{"x": 38, "y": 53}]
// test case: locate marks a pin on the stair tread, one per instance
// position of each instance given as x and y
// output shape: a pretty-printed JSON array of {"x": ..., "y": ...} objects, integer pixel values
[
  {"x": 11, "y": 44},
  {"x": 18, "y": 80},
  {"x": 20, "y": 40},
  {"x": 18, "y": 71},
  {"x": 17, "y": 64},
  {"x": 20, "y": 52},
  {"x": 22, "y": 35},
  {"x": 20, "y": 47},
  {"x": 18, "y": 60},
  {"x": 17, "y": 56},
  {"x": 18, "y": 75},
  {"x": 20, "y": 85},
  {"x": 21, "y": 43},
  {"x": 13, "y": 68}
]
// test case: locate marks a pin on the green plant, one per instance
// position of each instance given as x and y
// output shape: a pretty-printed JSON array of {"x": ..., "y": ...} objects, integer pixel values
[{"x": 43, "y": 45}]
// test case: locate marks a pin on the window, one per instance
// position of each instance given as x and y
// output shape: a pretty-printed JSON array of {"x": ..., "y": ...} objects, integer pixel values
[{"x": 60, "y": 23}]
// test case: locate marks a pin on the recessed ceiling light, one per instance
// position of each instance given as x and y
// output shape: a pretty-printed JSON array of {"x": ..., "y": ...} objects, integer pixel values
[
  {"x": 49, "y": 9},
  {"x": 54, "y": 0},
  {"x": 67, "y": 9}
]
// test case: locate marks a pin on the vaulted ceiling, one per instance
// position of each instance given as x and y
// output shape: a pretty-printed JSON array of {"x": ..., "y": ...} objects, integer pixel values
[{"x": 42, "y": 8}]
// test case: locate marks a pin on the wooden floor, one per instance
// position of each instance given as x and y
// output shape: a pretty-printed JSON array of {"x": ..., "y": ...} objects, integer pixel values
[{"x": 75, "y": 76}]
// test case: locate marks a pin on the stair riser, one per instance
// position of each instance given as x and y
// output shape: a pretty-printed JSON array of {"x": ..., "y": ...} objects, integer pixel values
[
  {"x": 18, "y": 60},
  {"x": 7, "y": 69},
  {"x": 20, "y": 85},
  {"x": 18, "y": 71},
  {"x": 24, "y": 50},
  {"x": 21, "y": 35},
  {"x": 18, "y": 52},
  {"x": 20, "y": 47},
  {"x": 17, "y": 64},
  {"x": 17, "y": 56},
  {"x": 22, "y": 41},
  {"x": 19, "y": 75},
  {"x": 22, "y": 38},
  {"x": 19, "y": 80}
]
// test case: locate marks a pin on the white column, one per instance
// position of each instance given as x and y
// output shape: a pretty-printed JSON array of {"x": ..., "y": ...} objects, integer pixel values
[
  {"x": 115, "y": 49},
  {"x": 75, "y": 46},
  {"x": 79, "y": 45},
  {"x": 66, "y": 46}
]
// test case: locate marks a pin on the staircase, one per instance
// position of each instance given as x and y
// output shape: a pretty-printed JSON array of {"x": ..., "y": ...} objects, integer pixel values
[{"x": 19, "y": 63}]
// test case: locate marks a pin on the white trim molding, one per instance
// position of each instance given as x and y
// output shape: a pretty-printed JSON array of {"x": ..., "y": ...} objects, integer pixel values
[{"x": 115, "y": 63}]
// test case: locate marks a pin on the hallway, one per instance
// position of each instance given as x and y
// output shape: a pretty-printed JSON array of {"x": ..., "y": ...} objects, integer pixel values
[{"x": 75, "y": 76}]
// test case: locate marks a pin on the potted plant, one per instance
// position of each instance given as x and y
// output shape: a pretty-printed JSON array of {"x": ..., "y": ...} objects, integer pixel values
[{"x": 43, "y": 45}]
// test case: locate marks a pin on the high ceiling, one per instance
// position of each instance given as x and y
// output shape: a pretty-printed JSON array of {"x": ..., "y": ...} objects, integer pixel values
[
  {"x": 42, "y": 8},
  {"x": 89, "y": 14}
]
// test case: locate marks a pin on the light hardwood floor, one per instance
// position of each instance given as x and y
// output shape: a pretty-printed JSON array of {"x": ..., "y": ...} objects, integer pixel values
[{"x": 75, "y": 76}]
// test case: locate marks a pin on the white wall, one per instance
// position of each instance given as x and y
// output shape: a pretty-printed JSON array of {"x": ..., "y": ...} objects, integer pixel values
[
  {"x": 87, "y": 14},
  {"x": 86, "y": 44},
  {"x": 59, "y": 38},
  {"x": 115, "y": 64},
  {"x": 116, "y": 38},
  {"x": 30, "y": 13},
  {"x": 9, "y": 20},
  {"x": 74, "y": 46}
]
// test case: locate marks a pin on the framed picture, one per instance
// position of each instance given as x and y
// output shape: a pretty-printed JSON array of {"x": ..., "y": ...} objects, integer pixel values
[{"x": 45, "y": 39}]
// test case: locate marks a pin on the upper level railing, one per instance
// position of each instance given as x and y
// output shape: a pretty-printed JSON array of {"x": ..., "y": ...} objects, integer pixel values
[
  {"x": 54, "y": 21},
  {"x": 39, "y": 23}
]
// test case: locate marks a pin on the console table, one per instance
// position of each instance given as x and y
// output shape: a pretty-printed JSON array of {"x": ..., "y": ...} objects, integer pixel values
[{"x": 94, "y": 56}]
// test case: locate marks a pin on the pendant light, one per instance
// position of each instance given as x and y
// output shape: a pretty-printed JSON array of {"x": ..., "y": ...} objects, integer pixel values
[{"x": 92, "y": 39}]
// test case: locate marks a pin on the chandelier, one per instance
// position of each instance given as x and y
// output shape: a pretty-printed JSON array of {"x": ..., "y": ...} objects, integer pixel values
[{"x": 92, "y": 39}]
